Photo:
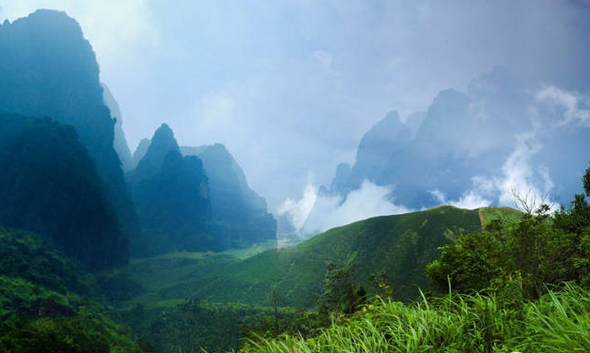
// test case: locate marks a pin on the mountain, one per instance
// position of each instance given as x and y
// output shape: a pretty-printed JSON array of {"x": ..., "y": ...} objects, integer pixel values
[
  {"x": 239, "y": 214},
  {"x": 500, "y": 134},
  {"x": 384, "y": 139},
  {"x": 120, "y": 143},
  {"x": 171, "y": 196},
  {"x": 48, "y": 68},
  {"x": 140, "y": 151},
  {"x": 400, "y": 246},
  {"x": 49, "y": 184}
]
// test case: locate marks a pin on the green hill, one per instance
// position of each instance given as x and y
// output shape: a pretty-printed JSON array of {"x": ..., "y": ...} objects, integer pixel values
[{"x": 400, "y": 246}]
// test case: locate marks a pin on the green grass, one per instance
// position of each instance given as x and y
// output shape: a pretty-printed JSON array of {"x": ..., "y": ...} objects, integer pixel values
[
  {"x": 156, "y": 274},
  {"x": 253, "y": 250},
  {"x": 503, "y": 213},
  {"x": 559, "y": 322}
]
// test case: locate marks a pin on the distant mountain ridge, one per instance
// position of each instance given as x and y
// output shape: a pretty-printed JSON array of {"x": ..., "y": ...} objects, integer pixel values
[{"x": 498, "y": 132}]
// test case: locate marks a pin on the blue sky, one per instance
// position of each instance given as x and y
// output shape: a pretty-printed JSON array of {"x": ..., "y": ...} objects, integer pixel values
[{"x": 291, "y": 86}]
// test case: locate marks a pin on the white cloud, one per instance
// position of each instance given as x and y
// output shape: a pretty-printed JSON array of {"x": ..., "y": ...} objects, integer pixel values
[
  {"x": 576, "y": 106},
  {"x": 471, "y": 199},
  {"x": 518, "y": 174},
  {"x": 518, "y": 177},
  {"x": 297, "y": 211},
  {"x": 315, "y": 213}
]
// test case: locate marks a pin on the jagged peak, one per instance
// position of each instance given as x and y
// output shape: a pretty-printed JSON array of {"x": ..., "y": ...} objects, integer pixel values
[
  {"x": 164, "y": 137},
  {"x": 161, "y": 144}
]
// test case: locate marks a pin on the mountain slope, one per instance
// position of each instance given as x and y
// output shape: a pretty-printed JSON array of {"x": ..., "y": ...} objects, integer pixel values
[
  {"x": 120, "y": 141},
  {"x": 171, "y": 196},
  {"x": 48, "y": 68},
  {"x": 400, "y": 246},
  {"x": 49, "y": 184},
  {"x": 239, "y": 214}
]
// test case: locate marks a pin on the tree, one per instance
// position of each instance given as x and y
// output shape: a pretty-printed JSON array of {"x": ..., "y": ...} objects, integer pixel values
[
  {"x": 341, "y": 295},
  {"x": 586, "y": 181},
  {"x": 538, "y": 249}
]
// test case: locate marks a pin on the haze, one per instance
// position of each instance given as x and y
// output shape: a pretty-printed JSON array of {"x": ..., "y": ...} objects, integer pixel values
[{"x": 290, "y": 87}]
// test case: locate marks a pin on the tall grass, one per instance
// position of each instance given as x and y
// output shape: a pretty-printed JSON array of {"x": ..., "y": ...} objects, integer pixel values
[{"x": 558, "y": 322}]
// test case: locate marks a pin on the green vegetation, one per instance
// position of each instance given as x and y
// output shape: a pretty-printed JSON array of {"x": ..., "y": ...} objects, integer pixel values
[
  {"x": 519, "y": 258},
  {"x": 189, "y": 325},
  {"x": 400, "y": 246},
  {"x": 45, "y": 304},
  {"x": 558, "y": 322},
  {"x": 155, "y": 274},
  {"x": 520, "y": 285}
]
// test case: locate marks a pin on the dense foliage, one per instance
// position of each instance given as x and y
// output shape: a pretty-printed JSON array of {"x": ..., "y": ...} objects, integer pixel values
[
  {"x": 45, "y": 303},
  {"x": 192, "y": 325},
  {"x": 519, "y": 258},
  {"x": 49, "y": 184}
]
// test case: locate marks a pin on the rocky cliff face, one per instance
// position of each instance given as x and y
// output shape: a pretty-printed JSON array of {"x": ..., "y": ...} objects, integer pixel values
[
  {"x": 120, "y": 141},
  {"x": 240, "y": 215},
  {"x": 49, "y": 184},
  {"x": 47, "y": 68},
  {"x": 171, "y": 195}
]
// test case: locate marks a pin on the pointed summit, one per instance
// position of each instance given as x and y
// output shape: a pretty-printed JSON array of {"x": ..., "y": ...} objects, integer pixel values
[
  {"x": 162, "y": 143},
  {"x": 385, "y": 138},
  {"x": 171, "y": 195}
]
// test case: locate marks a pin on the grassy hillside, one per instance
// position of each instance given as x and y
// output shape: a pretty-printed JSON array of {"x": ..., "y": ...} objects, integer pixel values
[{"x": 400, "y": 246}]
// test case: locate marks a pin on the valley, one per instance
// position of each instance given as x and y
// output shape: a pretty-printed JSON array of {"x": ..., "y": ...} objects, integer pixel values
[{"x": 459, "y": 224}]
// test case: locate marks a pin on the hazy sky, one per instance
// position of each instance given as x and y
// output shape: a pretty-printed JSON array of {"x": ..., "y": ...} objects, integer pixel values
[{"x": 291, "y": 86}]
